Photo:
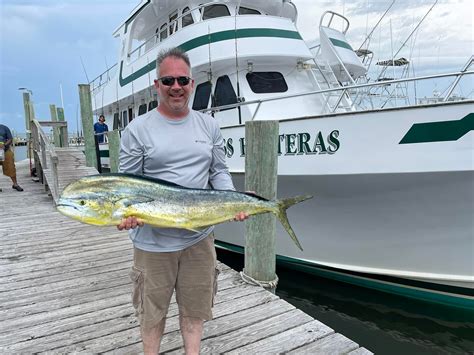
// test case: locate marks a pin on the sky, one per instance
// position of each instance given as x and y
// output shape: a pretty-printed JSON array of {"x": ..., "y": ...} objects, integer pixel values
[{"x": 47, "y": 45}]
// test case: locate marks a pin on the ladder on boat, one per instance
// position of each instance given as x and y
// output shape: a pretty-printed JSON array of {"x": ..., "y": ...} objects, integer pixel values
[{"x": 323, "y": 78}]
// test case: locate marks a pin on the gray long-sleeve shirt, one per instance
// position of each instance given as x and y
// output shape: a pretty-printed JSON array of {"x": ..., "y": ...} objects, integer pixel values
[{"x": 188, "y": 152}]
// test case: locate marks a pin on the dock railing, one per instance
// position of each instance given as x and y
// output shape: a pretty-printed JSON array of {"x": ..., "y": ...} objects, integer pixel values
[{"x": 45, "y": 156}]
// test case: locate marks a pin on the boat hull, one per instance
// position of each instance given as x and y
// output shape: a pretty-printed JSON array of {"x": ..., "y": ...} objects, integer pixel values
[{"x": 411, "y": 222}]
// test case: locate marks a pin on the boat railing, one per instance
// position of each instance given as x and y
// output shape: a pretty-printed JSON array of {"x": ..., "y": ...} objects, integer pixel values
[
  {"x": 333, "y": 15},
  {"x": 103, "y": 78},
  {"x": 145, "y": 47},
  {"x": 459, "y": 77},
  {"x": 348, "y": 90},
  {"x": 174, "y": 25},
  {"x": 155, "y": 38}
]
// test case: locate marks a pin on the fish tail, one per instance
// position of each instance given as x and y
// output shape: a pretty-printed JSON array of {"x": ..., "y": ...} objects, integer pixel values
[{"x": 283, "y": 205}]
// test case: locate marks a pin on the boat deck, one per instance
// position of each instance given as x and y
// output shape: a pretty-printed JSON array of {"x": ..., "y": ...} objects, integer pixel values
[{"x": 64, "y": 288}]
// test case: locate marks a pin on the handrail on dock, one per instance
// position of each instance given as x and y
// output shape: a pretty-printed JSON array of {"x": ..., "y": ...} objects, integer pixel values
[{"x": 45, "y": 156}]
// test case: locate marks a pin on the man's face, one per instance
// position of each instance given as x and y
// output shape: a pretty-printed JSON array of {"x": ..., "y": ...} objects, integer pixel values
[{"x": 174, "y": 99}]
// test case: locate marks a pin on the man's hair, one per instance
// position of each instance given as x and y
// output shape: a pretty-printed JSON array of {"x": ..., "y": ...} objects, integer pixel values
[{"x": 175, "y": 52}]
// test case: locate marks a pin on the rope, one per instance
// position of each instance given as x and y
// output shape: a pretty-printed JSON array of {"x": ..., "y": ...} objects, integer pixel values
[{"x": 265, "y": 284}]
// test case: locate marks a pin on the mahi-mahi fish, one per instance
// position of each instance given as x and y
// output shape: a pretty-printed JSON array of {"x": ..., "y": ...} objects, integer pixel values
[{"x": 108, "y": 198}]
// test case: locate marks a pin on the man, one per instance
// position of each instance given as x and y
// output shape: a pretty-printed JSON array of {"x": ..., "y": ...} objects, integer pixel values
[
  {"x": 186, "y": 147},
  {"x": 101, "y": 127},
  {"x": 8, "y": 163}
]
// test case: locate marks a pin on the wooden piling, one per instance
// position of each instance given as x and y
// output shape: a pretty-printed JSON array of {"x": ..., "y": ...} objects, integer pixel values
[
  {"x": 62, "y": 130},
  {"x": 88, "y": 124},
  {"x": 261, "y": 164},
  {"x": 114, "y": 150},
  {"x": 56, "y": 130},
  {"x": 28, "y": 111}
]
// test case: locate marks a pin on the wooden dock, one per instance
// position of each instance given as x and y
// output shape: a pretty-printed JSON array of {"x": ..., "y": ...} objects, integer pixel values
[{"x": 64, "y": 288}]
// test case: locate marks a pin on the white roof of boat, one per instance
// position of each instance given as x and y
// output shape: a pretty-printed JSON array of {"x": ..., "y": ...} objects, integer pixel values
[{"x": 269, "y": 5}]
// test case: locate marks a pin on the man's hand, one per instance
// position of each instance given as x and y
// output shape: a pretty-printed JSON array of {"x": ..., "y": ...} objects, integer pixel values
[
  {"x": 130, "y": 223},
  {"x": 241, "y": 216}
]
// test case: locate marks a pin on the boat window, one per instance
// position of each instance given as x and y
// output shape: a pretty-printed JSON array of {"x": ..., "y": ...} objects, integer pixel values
[
  {"x": 173, "y": 23},
  {"x": 202, "y": 95},
  {"x": 116, "y": 123},
  {"x": 266, "y": 82},
  {"x": 187, "y": 18},
  {"x": 214, "y": 11},
  {"x": 163, "y": 32},
  {"x": 157, "y": 35},
  {"x": 152, "y": 104},
  {"x": 124, "y": 119},
  {"x": 247, "y": 11},
  {"x": 138, "y": 37},
  {"x": 141, "y": 109},
  {"x": 224, "y": 93},
  {"x": 131, "y": 116}
]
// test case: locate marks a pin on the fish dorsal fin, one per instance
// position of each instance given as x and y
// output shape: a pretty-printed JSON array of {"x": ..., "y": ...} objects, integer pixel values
[
  {"x": 255, "y": 195},
  {"x": 146, "y": 178}
]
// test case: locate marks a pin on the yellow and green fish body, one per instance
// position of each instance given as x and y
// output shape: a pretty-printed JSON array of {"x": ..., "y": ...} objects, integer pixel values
[{"x": 108, "y": 198}]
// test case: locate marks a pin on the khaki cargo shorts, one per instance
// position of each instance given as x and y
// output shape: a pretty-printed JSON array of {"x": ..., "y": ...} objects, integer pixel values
[
  {"x": 8, "y": 164},
  {"x": 192, "y": 272}
]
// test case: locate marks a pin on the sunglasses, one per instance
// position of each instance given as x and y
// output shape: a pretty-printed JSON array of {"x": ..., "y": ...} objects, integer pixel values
[{"x": 169, "y": 80}]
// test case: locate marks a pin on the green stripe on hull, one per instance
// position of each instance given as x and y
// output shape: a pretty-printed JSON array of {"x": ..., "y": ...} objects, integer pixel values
[
  {"x": 445, "y": 131},
  {"x": 213, "y": 38},
  {"x": 406, "y": 291},
  {"x": 339, "y": 43}
]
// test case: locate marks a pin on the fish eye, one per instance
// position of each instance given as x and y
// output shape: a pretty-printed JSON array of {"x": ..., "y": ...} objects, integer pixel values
[{"x": 82, "y": 203}]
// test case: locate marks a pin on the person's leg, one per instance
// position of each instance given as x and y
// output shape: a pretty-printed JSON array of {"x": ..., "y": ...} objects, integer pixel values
[
  {"x": 10, "y": 170},
  {"x": 154, "y": 277},
  {"x": 151, "y": 338},
  {"x": 195, "y": 291},
  {"x": 191, "y": 330}
]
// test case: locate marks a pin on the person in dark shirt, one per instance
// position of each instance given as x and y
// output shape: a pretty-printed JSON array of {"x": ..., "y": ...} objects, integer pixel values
[
  {"x": 101, "y": 127},
  {"x": 8, "y": 162}
]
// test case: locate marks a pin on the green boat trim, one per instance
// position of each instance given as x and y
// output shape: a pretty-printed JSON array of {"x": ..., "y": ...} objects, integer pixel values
[
  {"x": 207, "y": 39},
  {"x": 440, "y": 294},
  {"x": 443, "y": 131}
]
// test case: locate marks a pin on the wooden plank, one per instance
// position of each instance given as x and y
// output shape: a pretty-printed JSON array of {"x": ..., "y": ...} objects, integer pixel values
[
  {"x": 331, "y": 344},
  {"x": 70, "y": 269},
  {"x": 14, "y": 267},
  {"x": 360, "y": 351},
  {"x": 64, "y": 287},
  {"x": 287, "y": 340},
  {"x": 239, "y": 329},
  {"x": 65, "y": 284},
  {"x": 121, "y": 339}
]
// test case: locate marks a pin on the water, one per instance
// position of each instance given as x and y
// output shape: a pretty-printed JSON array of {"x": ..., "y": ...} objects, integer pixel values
[
  {"x": 381, "y": 322},
  {"x": 20, "y": 153}
]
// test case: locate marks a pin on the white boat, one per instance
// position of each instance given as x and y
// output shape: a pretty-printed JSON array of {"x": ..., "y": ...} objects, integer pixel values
[{"x": 393, "y": 179}]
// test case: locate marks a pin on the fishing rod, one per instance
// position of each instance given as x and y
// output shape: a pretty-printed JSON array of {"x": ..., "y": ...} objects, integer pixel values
[
  {"x": 406, "y": 40},
  {"x": 367, "y": 38}
]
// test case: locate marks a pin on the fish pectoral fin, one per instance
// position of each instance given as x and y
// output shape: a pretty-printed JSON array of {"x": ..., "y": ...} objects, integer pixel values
[{"x": 129, "y": 201}]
